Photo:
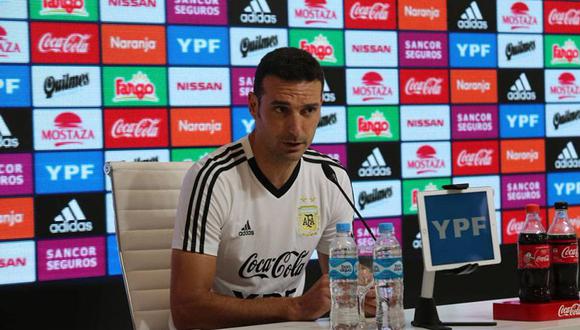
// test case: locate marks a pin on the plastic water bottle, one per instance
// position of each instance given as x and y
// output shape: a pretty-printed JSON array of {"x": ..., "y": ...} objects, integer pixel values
[
  {"x": 343, "y": 271},
  {"x": 388, "y": 273}
]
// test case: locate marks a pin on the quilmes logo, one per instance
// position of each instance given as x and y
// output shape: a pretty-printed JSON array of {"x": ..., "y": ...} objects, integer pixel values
[
  {"x": 471, "y": 18},
  {"x": 59, "y": 7},
  {"x": 519, "y": 18},
  {"x": 68, "y": 130},
  {"x": 372, "y": 87},
  {"x": 8, "y": 46},
  {"x": 7, "y": 140},
  {"x": 565, "y": 54},
  {"x": 568, "y": 158},
  {"x": 71, "y": 220},
  {"x": 259, "y": 42},
  {"x": 320, "y": 48},
  {"x": 74, "y": 43},
  {"x": 521, "y": 90},
  {"x": 138, "y": 88},
  {"x": 374, "y": 165},
  {"x": 565, "y": 118},
  {"x": 66, "y": 82},
  {"x": 315, "y": 12},
  {"x": 376, "y": 195},
  {"x": 518, "y": 48},
  {"x": 375, "y": 126},
  {"x": 258, "y": 11}
]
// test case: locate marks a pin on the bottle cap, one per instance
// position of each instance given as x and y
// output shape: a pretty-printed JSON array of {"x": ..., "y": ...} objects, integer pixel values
[
  {"x": 532, "y": 208},
  {"x": 385, "y": 227},
  {"x": 561, "y": 205},
  {"x": 342, "y": 227}
]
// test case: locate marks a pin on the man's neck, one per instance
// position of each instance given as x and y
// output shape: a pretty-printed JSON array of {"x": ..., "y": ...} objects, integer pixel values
[{"x": 276, "y": 171}]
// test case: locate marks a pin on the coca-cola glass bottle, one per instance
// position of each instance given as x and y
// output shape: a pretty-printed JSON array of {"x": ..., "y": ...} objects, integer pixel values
[
  {"x": 564, "y": 255},
  {"x": 533, "y": 258}
]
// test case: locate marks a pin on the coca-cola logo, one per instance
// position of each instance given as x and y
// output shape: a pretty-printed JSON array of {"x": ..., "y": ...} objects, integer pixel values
[
  {"x": 144, "y": 128},
  {"x": 430, "y": 86},
  {"x": 482, "y": 157},
  {"x": 73, "y": 43},
  {"x": 287, "y": 264},
  {"x": 514, "y": 227},
  {"x": 569, "y": 252},
  {"x": 569, "y": 311},
  {"x": 569, "y": 17},
  {"x": 376, "y": 12}
]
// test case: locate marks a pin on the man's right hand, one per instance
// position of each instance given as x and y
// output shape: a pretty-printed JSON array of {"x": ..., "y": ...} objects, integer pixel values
[{"x": 315, "y": 302}]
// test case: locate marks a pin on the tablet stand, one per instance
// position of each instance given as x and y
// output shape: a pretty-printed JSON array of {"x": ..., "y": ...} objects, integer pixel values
[{"x": 426, "y": 309}]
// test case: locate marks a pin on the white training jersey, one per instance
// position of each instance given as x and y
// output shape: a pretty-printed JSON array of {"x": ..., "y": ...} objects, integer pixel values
[{"x": 262, "y": 236}]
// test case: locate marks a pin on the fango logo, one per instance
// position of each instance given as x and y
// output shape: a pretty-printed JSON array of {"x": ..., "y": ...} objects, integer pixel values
[
  {"x": 564, "y": 52},
  {"x": 139, "y": 87},
  {"x": 320, "y": 48},
  {"x": 135, "y": 86},
  {"x": 375, "y": 126},
  {"x": 60, "y": 7}
]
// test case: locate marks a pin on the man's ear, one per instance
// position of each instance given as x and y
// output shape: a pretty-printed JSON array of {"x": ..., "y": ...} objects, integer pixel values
[{"x": 253, "y": 104}]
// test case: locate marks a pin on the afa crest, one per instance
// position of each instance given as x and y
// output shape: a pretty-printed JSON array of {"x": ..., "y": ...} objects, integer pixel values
[{"x": 308, "y": 217}]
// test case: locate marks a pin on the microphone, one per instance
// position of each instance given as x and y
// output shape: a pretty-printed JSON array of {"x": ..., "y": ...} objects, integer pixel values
[{"x": 330, "y": 175}]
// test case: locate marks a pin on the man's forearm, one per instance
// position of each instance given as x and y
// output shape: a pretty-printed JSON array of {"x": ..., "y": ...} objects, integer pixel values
[{"x": 212, "y": 310}]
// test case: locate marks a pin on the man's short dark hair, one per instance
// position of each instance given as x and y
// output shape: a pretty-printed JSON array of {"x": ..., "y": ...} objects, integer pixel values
[{"x": 290, "y": 64}]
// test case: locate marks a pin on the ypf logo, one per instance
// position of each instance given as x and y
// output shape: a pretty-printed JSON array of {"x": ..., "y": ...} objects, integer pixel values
[{"x": 69, "y": 172}]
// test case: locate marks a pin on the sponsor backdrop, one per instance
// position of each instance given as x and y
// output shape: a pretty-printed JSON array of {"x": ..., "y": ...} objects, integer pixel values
[{"x": 418, "y": 94}]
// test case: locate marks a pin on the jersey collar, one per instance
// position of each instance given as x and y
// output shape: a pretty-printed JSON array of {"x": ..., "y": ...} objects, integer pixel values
[{"x": 262, "y": 178}]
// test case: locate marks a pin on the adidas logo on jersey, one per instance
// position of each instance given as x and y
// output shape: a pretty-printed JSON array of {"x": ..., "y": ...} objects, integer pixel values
[
  {"x": 472, "y": 18},
  {"x": 568, "y": 158},
  {"x": 521, "y": 90},
  {"x": 71, "y": 220},
  {"x": 327, "y": 94},
  {"x": 374, "y": 165},
  {"x": 246, "y": 230},
  {"x": 6, "y": 139},
  {"x": 258, "y": 11}
]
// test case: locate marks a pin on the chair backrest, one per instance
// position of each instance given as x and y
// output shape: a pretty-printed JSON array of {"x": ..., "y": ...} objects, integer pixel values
[{"x": 145, "y": 196}]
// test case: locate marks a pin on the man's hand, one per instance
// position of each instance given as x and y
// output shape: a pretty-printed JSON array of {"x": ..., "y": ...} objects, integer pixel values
[{"x": 315, "y": 302}]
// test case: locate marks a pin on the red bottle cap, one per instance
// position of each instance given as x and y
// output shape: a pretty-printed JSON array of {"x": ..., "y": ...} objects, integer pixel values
[{"x": 535, "y": 208}]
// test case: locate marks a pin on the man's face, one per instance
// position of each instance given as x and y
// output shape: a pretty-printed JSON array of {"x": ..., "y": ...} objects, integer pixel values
[{"x": 286, "y": 116}]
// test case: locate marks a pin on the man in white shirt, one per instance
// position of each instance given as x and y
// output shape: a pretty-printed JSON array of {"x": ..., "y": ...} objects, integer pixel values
[{"x": 251, "y": 213}]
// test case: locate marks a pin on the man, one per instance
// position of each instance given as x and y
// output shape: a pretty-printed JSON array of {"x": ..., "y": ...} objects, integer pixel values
[{"x": 251, "y": 213}]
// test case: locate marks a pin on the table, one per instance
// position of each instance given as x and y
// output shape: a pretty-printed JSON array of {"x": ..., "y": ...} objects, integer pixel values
[{"x": 479, "y": 311}]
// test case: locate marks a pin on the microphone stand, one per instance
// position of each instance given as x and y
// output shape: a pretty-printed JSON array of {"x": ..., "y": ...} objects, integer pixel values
[{"x": 331, "y": 175}]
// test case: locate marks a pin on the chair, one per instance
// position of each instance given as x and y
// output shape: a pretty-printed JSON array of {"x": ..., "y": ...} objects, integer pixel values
[{"x": 145, "y": 196}]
